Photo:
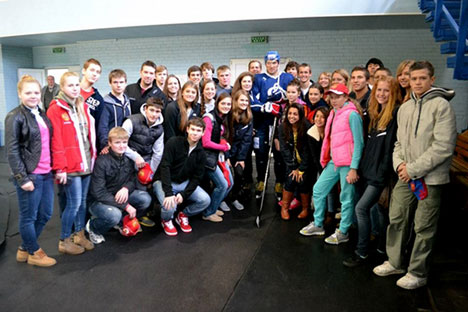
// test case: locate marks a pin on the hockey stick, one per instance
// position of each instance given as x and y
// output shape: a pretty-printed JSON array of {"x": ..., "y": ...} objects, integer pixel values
[{"x": 272, "y": 132}]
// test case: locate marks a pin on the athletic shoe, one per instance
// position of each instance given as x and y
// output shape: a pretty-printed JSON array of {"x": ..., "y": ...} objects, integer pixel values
[
  {"x": 213, "y": 218},
  {"x": 219, "y": 213},
  {"x": 224, "y": 207},
  {"x": 238, "y": 205},
  {"x": 337, "y": 238},
  {"x": 355, "y": 260},
  {"x": 259, "y": 189},
  {"x": 182, "y": 221},
  {"x": 169, "y": 228},
  {"x": 311, "y": 230},
  {"x": 95, "y": 238},
  {"x": 409, "y": 281},
  {"x": 145, "y": 221},
  {"x": 386, "y": 269}
]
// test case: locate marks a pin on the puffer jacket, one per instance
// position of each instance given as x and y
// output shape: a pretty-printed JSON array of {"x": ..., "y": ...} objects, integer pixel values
[
  {"x": 426, "y": 136},
  {"x": 23, "y": 142}
]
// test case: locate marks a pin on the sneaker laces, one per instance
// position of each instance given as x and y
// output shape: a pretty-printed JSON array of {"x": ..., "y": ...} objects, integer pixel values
[
  {"x": 169, "y": 224},
  {"x": 184, "y": 219}
]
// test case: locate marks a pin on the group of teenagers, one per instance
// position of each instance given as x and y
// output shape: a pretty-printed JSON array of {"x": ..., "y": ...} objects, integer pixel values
[{"x": 189, "y": 149}]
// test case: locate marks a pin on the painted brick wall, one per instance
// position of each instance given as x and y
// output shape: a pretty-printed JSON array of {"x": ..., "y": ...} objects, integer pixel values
[{"x": 3, "y": 110}]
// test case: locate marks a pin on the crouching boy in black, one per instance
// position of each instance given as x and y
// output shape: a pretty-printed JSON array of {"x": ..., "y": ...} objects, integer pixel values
[
  {"x": 179, "y": 176},
  {"x": 113, "y": 190}
]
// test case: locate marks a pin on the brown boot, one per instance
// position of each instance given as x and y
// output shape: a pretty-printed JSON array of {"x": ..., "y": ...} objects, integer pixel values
[
  {"x": 79, "y": 238},
  {"x": 40, "y": 258},
  {"x": 66, "y": 246},
  {"x": 305, "y": 200},
  {"x": 329, "y": 219},
  {"x": 22, "y": 255},
  {"x": 286, "y": 201}
]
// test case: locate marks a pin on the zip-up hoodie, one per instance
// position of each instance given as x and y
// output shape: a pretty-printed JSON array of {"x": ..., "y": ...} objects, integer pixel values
[
  {"x": 71, "y": 152},
  {"x": 113, "y": 115},
  {"x": 426, "y": 136}
]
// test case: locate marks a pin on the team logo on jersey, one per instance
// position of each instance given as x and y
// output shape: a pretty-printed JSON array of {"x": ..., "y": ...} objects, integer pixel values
[
  {"x": 65, "y": 117},
  {"x": 275, "y": 93}
]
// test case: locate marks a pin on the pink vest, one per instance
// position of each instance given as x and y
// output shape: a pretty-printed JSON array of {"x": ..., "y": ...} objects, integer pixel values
[{"x": 342, "y": 144}]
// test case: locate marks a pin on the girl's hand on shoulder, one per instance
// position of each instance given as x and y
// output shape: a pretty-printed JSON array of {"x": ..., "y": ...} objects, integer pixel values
[{"x": 28, "y": 186}]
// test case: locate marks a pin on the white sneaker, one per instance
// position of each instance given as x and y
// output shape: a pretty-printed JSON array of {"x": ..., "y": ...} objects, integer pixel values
[
  {"x": 224, "y": 206},
  {"x": 409, "y": 281},
  {"x": 386, "y": 269},
  {"x": 238, "y": 205},
  {"x": 95, "y": 238},
  {"x": 311, "y": 230},
  {"x": 337, "y": 238}
]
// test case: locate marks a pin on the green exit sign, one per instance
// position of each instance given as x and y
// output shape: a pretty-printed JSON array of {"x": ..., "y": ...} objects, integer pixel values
[
  {"x": 259, "y": 39},
  {"x": 58, "y": 50}
]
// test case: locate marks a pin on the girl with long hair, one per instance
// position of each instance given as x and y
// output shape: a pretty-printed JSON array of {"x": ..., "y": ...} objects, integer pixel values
[
  {"x": 177, "y": 113},
  {"x": 242, "y": 127},
  {"x": 403, "y": 77},
  {"x": 376, "y": 163},
  {"x": 208, "y": 96},
  {"x": 73, "y": 155},
  {"x": 172, "y": 88}
]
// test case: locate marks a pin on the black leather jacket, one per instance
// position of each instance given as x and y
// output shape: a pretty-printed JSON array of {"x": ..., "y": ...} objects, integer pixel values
[{"x": 23, "y": 142}]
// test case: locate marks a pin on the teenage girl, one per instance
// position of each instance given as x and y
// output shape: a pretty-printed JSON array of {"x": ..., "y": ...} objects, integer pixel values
[
  {"x": 208, "y": 91},
  {"x": 28, "y": 134},
  {"x": 340, "y": 156},
  {"x": 295, "y": 152},
  {"x": 340, "y": 76},
  {"x": 324, "y": 80},
  {"x": 73, "y": 155},
  {"x": 316, "y": 100},
  {"x": 177, "y": 113},
  {"x": 403, "y": 78},
  {"x": 242, "y": 127},
  {"x": 217, "y": 128},
  {"x": 172, "y": 88},
  {"x": 376, "y": 163}
]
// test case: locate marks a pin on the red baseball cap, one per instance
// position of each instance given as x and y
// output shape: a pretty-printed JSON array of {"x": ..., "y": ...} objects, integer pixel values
[{"x": 338, "y": 89}]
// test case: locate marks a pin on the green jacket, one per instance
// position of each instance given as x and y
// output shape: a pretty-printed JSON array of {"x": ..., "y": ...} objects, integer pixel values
[{"x": 426, "y": 136}]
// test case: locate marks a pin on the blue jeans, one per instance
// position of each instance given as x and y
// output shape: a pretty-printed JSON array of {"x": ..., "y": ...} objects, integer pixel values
[
  {"x": 75, "y": 192},
  {"x": 220, "y": 191},
  {"x": 322, "y": 188},
  {"x": 368, "y": 199},
  {"x": 35, "y": 209},
  {"x": 198, "y": 201},
  {"x": 104, "y": 217}
]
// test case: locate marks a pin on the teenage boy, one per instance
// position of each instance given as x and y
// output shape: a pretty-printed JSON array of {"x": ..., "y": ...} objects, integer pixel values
[
  {"x": 161, "y": 76},
  {"x": 224, "y": 75},
  {"x": 255, "y": 67},
  {"x": 372, "y": 65},
  {"x": 382, "y": 73},
  {"x": 91, "y": 72},
  {"x": 207, "y": 72},
  {"x": 359, "y": 81},
  {"x": 112, "y": 189},
  {"x": 304, "y": 74},
  {"x": 144, "y": 88},
  {"x": 422, "y": 156},
  {"x": 194, "y": 73},
  {"x": 116, "y": 108},
  {"x": 146, "y": 134},
  {"x": 268, "y": 88},
  {"x": 49, "y": 92},
  {"x": 179, "y": 178}
]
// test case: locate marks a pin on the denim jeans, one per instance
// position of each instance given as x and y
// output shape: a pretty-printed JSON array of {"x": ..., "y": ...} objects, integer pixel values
[
  {"x": 198, "y": 201},
  {"x": 104, "y": 217},
  {"x": 368, "y": 199},
  {"x": 75, "y": 192},
  {"x": 220, "y": 191},
  {"x": 35, "y": 209}
]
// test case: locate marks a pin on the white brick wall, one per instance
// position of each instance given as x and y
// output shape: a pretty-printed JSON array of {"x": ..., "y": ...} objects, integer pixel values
[{"x": 324, "y": 50}]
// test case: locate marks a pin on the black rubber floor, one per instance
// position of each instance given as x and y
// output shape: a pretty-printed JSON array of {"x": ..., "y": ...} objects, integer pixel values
[{"x": 230, "y": 266}]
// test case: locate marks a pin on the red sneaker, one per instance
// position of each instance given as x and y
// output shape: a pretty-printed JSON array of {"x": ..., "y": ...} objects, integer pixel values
[
  {"x": 169, "y": 228},
  {"x": 182, "y": 221}
]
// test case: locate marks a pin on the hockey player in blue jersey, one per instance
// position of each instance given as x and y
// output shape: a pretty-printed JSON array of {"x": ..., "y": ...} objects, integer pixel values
[{"x": 269, "y": 90}]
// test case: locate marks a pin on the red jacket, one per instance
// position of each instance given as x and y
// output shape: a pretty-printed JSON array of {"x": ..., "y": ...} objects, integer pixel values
[{"x": 68, "y": 153}]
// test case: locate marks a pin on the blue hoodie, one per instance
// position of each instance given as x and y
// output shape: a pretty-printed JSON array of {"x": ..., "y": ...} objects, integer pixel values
[{"x": 113, "y": 114}]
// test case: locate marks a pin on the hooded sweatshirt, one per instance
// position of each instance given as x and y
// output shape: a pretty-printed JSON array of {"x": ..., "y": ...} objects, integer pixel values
[
  {"x": 145, "y": 140},
  {"x": 113, "y": 115},
  {"x": 426, "y": 136}
]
